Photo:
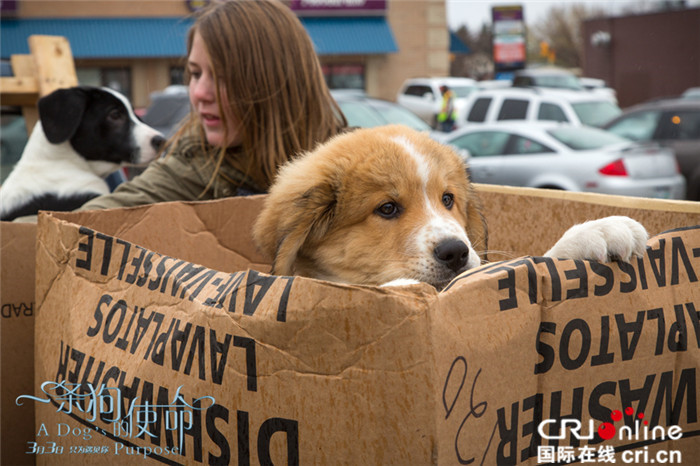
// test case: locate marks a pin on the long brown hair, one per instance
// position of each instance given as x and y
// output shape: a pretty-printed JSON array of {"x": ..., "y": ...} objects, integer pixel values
[{"x": 264, "y": 57}]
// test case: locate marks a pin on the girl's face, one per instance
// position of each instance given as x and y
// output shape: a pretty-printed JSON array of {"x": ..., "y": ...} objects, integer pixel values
[{"x": 203, "y": 98}]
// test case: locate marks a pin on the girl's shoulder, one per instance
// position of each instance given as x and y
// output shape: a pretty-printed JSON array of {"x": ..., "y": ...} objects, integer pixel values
[{"x": 189, "y": 147}]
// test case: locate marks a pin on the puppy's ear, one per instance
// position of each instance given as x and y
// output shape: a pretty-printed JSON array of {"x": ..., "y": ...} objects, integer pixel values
[
  {"x": 61, "y": 112},
  {"x": 477, "y": 230},
  {"x": 299, "y": 209}
]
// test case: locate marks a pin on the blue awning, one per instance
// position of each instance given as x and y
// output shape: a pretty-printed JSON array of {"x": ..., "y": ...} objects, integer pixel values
[
  {"x": 350, "y": 36},
  {"x": 101, "y": 37},
  {"x": 165, "y": 37}
]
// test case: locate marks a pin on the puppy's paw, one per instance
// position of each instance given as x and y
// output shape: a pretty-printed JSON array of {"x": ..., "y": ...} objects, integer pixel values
[
  {"x": 602, "y": 240},
  {"x": 400, "y": 282}
]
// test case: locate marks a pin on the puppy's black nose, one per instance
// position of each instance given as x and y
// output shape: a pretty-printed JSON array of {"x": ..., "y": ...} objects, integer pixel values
[
  {"x": 452, "y": 253},
  {"x": 157, "y": 142}
]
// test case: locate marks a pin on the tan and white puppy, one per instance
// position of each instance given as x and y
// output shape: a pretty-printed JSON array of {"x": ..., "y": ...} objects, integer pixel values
[{"x": 390, "y": 205}]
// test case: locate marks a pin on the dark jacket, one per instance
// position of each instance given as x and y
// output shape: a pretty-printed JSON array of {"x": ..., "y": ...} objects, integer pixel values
[{"x": 182, "y": 175}]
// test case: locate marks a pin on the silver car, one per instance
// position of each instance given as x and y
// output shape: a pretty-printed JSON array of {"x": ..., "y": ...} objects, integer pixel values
[
  {"x": 573, "y": 158},
  {"x": 363, "y": 111}
]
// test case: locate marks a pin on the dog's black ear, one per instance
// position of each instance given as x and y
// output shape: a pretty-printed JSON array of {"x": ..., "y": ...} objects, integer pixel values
[{"x": 61, "y": 112}]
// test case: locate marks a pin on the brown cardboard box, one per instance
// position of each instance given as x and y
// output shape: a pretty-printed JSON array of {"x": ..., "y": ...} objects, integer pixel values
[
  {"x": 16, "y": 340},
  {"x": 243, "y": 367}
]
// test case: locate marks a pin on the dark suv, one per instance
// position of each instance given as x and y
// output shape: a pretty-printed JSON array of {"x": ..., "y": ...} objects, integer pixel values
[
  {"x": 547, "y": 77},
  {"x": 674, "y": 123}
]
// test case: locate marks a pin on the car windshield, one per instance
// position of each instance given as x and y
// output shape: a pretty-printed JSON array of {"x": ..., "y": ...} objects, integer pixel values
[
  {"x": 359, "y": 114},
  {"x": 692, "y": 93},
  {"x": 462, "y": 91},
  {"x": 393, "y": 114},
  {"x": 596, "y": 113},
  {"x": 639, "y": 126},
  {"x": 583, "y": 138},
  {"x": 559, "y": 82}
]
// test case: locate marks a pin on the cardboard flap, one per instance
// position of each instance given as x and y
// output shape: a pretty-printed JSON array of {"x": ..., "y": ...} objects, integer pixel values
[
  {"x": 528, "y": 221},
  {"x": 212, "y": 233}
]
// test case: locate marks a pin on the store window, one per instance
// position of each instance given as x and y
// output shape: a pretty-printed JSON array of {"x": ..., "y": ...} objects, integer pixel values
[
  {"x": 346, "y": 76},
  {"x": 118, "y": 79},
  {"x": 89, "y": 76},
  {"x": 177, "y": 75}
]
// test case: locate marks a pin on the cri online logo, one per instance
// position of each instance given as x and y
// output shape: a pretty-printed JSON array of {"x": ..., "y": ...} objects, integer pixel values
[{"x": 607, "y": 430}]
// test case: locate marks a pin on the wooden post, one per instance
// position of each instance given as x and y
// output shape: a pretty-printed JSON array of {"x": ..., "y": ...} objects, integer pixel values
[
  {"x": 48, "y": 67},
  {"x": 23, "y": 68},
  {"x": 54, "y": 63}
]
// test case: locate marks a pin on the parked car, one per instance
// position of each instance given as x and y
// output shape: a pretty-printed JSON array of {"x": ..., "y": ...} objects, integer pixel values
[
  {"x": 563, "y": 156},
  {"x": 423, "y": 97},
  {"x": 366, "y": 112},
  {"x": 532, "y": 104},
  {"x": 598, "y": 86},
  {"x": 547, "y": 77},
  {"x": 555, "y": 78},
  {"x": 13, "y": 138},
  {"x": 673, "y": 123},
  {"x": 691, "y": 93},
  {"x": 494, "y": 83},
  {"x": 13, "y": 131},
  {"x": 170, "y": 106},
  {"x": 167, "y": 109}
]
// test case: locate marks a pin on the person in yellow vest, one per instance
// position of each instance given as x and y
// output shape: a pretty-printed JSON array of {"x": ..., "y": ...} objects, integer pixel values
[{"x": 448, "y": 115}]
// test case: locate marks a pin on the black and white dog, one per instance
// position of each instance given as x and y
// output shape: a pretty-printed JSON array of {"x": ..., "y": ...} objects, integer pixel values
[{"x": 83, "y": 135}]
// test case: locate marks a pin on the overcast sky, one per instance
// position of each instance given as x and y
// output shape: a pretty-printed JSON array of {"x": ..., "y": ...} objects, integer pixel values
[{"x": 474, "y": 13}]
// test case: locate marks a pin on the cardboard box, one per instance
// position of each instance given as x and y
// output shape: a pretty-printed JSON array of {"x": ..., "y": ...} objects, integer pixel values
[
  {"x": 222, "y": 363},
  {"x": 16, "y": 340}
]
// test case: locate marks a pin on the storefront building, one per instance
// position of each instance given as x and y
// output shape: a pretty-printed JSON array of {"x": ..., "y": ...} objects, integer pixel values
[{"x": 139, "y": 47}]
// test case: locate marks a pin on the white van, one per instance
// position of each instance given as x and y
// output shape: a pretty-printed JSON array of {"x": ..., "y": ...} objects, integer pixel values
[
  {"x": 537, "y": 104},
  {"x": 422, "y": 96}
]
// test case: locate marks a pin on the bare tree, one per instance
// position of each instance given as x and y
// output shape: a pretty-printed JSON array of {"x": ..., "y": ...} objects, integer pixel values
[
  {"x": 479, "y": 63},
  {"x": 560, "y": 30}
]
